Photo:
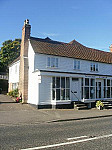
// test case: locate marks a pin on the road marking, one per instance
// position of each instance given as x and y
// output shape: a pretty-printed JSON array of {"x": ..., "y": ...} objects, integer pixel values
[
  {"x": 68, "y": 143},
  {"x": 74, "y": 138}
]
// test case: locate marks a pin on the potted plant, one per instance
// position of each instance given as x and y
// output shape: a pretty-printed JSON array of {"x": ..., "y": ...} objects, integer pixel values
[{"x": 99, "y": 105}]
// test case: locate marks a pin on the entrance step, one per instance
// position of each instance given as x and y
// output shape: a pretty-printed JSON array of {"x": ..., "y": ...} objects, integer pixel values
[
  {"x": 80, "y": 105},
  {"x": 107, "y": 104}
]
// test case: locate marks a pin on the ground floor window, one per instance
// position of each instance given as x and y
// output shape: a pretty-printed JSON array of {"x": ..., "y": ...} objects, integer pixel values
[
  {"x": 92, "y": 88},
  {"x": 60, "y": 88},
  {"x": 107, "y": 88},
  {"x": 88, "y": 88}
]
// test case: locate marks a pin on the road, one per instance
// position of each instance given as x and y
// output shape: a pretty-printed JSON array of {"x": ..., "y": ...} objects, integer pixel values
[{"x": 89, "y": 134}]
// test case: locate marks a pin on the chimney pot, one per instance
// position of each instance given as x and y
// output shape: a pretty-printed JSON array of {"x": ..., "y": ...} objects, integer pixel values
[
  {"x": 26, "y": 22},
  {"x": 110, "y": 48}
]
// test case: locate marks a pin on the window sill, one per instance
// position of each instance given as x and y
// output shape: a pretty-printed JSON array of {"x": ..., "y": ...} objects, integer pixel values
[
  {"x": 52, "y": 67},
  {"x": 77, "y": 69},
  {"x": 94, "y": 71}
]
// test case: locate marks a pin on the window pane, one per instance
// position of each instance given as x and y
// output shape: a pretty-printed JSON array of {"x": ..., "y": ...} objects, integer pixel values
[
  {"x": 111, "y": 91},
  {"x": 67, "y": 82},
  {"x": 92, "y": 93},
  {"x": 48, "y": 61},
  {"x": 75, "y": 64},
  {"x": 63, "y": 82},
  {"x": 57, "y": 82},
  {"x": 52, "y": 62},
  {"x": 67, "y": 94},
  {"x": 86, "y": 92},
  {"x": 57, "y": 94},
  {"x": 78, "y": 64},
  {"x": 92, "y": 82},
  {"x": 105, "y": 92},
  {"x": 82, "y": 81},
  {"x": 108, "y": 82},
  {"x": 53, "y": 82},
  {"x": 108, "y": 92},
  {"x": 96, "y": 67},
  {"x": 82, "y": 93},
  {"x": 62, "y": 94},
  {"x": 86, "y": 81},
  {"x": 104, "y": 82},
  {"x": 53, "y": 94},
  {"x": 91, "y": 67},
  {"x": 56, "y": 62}
]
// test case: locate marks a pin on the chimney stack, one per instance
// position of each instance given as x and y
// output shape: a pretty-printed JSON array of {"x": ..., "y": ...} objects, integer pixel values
[{"x": 23, "y": 74}]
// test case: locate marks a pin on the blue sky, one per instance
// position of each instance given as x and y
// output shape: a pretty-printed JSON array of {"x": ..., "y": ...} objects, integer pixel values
[{"x": 87, "y": 21}]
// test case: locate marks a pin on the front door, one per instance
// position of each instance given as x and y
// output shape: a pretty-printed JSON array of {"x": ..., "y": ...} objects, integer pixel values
[
  {"x": 98, "y": 89},
  {"x": 75, "y": 89}
]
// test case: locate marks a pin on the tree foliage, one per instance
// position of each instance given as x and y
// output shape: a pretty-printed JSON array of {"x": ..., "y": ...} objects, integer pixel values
[{"x": 9, "y": 52}]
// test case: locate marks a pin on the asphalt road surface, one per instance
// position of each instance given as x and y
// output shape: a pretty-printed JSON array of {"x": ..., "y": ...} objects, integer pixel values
[{"x": 91, "y": 134}]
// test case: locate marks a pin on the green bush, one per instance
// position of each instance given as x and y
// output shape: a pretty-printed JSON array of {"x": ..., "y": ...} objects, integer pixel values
[{"x": 14, "y": 93}]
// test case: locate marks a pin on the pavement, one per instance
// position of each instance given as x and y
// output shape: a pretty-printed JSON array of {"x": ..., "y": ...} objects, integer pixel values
[{"x": 12, "y": 113}]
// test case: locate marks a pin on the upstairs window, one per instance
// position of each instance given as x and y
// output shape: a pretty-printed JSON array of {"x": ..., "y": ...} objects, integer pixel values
[
  {"x": 76, "y": 64},
  {"x": 94, "y": 67},
  {"x": 52, "y": 62}
]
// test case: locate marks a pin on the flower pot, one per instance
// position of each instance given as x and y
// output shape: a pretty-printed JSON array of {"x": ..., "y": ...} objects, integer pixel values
[{"x": 100, "y": 107}]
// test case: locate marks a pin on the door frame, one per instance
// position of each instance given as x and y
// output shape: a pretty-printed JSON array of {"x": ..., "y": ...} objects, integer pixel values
[
  {"x": 98, "y": 81},
  {"x": 75, "y": 94}
]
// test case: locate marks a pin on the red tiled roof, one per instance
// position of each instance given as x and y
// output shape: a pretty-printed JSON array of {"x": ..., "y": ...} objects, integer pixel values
[{"x": 72, "y": 50}]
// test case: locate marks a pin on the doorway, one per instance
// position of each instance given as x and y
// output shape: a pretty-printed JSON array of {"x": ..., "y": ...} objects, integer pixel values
[
  {"x": 98, "y": 89},
  {"x": 75, "y": 89}
]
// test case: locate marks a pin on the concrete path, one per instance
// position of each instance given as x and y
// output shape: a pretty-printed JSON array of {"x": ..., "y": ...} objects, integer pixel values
[{"x": 12, "y": 113}]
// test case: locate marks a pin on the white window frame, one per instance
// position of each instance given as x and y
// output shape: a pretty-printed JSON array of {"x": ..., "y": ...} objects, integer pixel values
[
  {"x": 94, "y": 67},
  {"x": 76, "y": 64},
  {"x": 52, "y": 62},
  {"x": 60, "y": 88}
]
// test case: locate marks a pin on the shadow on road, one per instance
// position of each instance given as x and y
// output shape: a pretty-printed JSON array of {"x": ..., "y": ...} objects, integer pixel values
[{"x": 6, "y": 102}]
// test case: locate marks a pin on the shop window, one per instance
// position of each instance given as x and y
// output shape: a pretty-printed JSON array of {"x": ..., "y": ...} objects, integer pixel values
[
  {"x": 88, "y": 88},
  {"x": 60, "y": 88},
  {"x": 107, "y": 88}
]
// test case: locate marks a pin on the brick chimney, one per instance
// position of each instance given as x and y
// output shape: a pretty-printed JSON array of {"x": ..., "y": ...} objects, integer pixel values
[
  {"x": 23, "y": 74},
  {"x": 110, "y": 48}
]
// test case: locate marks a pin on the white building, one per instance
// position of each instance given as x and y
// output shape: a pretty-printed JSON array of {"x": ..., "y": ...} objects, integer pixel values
[{"x": 58, "y": 74}]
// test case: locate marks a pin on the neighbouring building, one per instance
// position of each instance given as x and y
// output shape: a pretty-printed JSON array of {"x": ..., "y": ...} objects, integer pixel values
[
  {"x": 3, "y": 82},
  {"x": 54, "y": 74}
]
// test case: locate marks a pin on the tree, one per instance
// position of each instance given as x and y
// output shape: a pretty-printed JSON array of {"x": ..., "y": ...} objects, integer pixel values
[{"x": 9, "y": 52}]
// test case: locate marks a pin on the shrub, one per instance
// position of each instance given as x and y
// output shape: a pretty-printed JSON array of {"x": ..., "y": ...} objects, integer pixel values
[
  {"x": 99, "y": 103},
  {"x": 14, "y": 93}
]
